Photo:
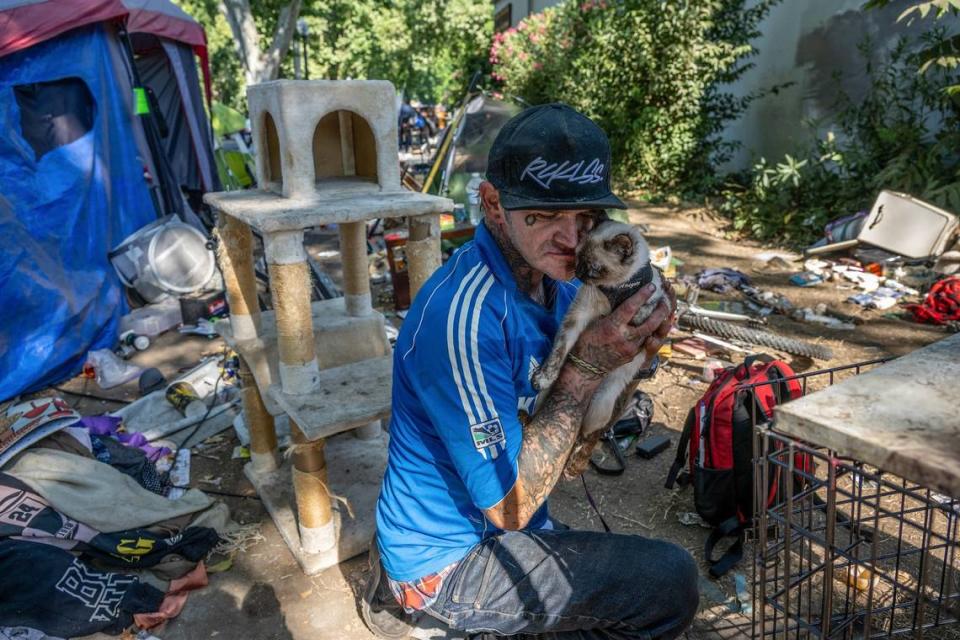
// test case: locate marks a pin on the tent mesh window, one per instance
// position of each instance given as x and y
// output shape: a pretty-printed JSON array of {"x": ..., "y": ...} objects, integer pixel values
[{"x": 54, "y": 113}]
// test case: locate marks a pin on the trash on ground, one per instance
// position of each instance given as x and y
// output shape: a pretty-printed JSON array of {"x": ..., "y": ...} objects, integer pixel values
[
  {"x": 941, "y": 305},
  {"x": 203, "y": 305},
  {"x": 108, "y": 369},
  {"x": 27, "y": 422},
  {"x": 203, "y": 327},
  {"x": 711, "y": 367},
  {"x": 151, "y": 380},
  {"x": 179, "y": 473},
  {"x": 721, "y": 280},
  {"x": 152, "y": 319},
  {"x": 392, "y": 333},
  {"x": 881, "y": 298},
  {"x": 241, "y": 452},
  {"x": 166, "y": 257},
  {"x": 693, "y": 347},
  {"x": 652, "y": 446},
  {"x": 860, "y": 578},
  {"x": 213, "y": 481},
  {"x": 900, "y": 224},
  {"x": 767, "y": 299},
  {"x": 771, "y": 262},
  {"x": 744, "y": 598},
  {"x": 219, "y": 567},
  {"x": 809, "y": 315},
  {"x": 947, "y": 264},
  {"x": 806, "y": 279},
  {"x": 663, "y": 259},
  {"x": 692, "y": 518}
]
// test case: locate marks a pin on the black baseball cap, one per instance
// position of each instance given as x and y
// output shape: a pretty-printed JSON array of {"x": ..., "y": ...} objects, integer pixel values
[{"x": 552, "y": 157}]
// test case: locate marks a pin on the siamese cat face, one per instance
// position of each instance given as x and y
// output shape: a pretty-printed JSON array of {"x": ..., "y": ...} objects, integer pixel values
[{"x": 610, "y": 254}]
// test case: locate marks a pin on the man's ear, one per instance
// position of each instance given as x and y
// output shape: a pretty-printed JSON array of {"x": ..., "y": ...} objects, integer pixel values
[
  {"x": 490, "y": 200},
  {"x": 621, "y": 244}
]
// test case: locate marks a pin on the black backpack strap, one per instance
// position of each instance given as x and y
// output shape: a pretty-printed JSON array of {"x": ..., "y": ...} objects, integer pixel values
[
  {"x": 609, "y": 442},
  {"x": 728, "y": 528},
  {"x": 681, "y": 460}
]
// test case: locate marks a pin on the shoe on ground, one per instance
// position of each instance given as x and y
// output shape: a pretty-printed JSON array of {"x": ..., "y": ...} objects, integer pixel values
[{"x": 381, "y": 612}]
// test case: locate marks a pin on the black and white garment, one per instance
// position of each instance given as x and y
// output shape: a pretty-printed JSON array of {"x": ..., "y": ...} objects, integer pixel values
[
  {"x": 50, "y": 590},
  {"x": 25, "y": 515}
]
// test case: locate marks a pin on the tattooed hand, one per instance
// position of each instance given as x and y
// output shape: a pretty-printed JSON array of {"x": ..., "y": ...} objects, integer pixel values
[{"x": 613, "y": 341}]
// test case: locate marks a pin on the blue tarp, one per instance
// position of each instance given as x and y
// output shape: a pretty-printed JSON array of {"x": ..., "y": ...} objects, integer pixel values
[{"x": 61, "y": 212}]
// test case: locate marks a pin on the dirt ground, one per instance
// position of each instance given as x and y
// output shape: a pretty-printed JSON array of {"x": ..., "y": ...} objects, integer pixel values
[{"x": 265, "y": 596}]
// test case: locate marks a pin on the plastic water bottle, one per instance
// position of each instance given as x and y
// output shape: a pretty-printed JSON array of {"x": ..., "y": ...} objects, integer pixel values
[{"x": 473, "y": 199}]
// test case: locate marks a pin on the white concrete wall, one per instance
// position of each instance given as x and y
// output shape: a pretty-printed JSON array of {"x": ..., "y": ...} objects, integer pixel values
[
  {"x": 522, "y": 8},
  {"x": 804, "y": 42}
]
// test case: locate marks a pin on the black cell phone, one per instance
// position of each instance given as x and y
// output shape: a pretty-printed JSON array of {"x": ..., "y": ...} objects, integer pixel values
[{"x": 649, "y": 447}]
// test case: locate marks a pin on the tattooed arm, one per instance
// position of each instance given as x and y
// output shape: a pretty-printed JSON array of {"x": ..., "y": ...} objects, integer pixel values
[
  {"x": 547, "y": 440},
  {"x": 583, "y": 448},
  {"x": 551, "y": 433}
]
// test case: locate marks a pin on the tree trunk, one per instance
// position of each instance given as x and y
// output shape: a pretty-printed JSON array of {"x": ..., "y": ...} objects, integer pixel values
[{"x": 260, "y": 66}]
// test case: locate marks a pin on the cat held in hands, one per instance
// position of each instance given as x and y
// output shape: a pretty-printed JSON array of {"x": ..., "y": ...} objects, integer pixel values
[{"x": 613, "y": 263}]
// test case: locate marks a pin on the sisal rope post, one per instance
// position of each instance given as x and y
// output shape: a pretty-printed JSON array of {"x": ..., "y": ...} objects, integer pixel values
[{"x": 235, "y": 256}]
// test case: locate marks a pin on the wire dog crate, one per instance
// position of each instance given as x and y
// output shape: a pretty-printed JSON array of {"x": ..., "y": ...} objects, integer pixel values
[{"x": 847, "y": 550}]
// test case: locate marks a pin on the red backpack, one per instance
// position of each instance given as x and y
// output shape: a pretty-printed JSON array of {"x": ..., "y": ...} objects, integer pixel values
[{"x": 719, "y": 435}]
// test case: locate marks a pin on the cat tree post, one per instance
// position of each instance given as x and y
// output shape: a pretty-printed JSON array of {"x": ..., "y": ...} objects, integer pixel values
[
  {"x": 423, "y": 250},
  {"x": 290, "y": 288},
  {"x": 326, "y": 154},
  {"x": 263, "y": 434},
  {"x": 235, "y": 255},
  {"x": 315, "y": 519}
]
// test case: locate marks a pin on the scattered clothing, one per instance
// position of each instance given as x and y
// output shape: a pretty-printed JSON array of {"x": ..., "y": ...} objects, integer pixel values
[
  {"x": 24, "y": 633},
  {"x": 61, "y": 595},
  {"x": 132, "y": 462},
  {"x": 24, "y": 423},
  {"x": 69, "y": 440},
  {"x": 28, "y": 517},
  {"x": 175, "y": 598},
  {"x": 110, "y": 426},
  {"x": 88, "y": 491},
  {"x": 941, "y": 305},
  {"x": 722, "y": 280}
]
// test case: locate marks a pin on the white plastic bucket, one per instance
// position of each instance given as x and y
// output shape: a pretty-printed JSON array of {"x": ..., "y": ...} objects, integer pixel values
[{"x": 166, "y": 257}]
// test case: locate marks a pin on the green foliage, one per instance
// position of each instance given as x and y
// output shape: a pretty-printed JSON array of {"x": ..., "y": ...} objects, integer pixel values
[
  {"x": 903, "y": 135},
  {"x": 427, "y": 48},
  {"x": 945, "y": 52},
  {"x": 226, "y": 69},
  {"x": 649, "y": 72}
]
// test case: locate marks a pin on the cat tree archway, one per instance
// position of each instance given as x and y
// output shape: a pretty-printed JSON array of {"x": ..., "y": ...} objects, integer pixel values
[{"x": 326, "y": 154}]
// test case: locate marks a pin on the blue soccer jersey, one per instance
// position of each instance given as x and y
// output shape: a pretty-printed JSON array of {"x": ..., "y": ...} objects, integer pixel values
[{"x": 461, "y": 387}]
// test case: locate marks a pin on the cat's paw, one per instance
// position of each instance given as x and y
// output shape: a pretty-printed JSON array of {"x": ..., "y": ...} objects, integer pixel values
[{"x": 542, "y": 378}]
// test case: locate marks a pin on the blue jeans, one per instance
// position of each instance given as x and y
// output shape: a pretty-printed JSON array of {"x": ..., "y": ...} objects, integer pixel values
[{"x": 570, "y": 585}]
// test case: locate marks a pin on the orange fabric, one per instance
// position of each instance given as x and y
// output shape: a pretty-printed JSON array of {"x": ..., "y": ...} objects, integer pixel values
[
  {"x": 175, "y": 599},
  {"x": 415, "y": 595}
]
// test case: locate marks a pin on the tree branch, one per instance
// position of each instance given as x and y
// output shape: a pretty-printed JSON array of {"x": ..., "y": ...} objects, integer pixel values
[
  {"x": 282, "y": 37},
  {"x": 245, "y": 36}
]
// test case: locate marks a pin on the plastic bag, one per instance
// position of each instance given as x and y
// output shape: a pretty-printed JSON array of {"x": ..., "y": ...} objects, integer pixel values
[{"x": 110, "y": 370}]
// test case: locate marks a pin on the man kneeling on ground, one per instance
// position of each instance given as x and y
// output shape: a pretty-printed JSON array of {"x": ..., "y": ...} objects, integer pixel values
[{"x": 463, "y": 529}]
